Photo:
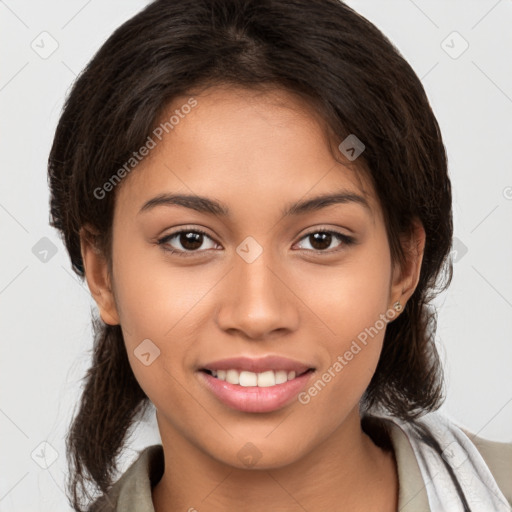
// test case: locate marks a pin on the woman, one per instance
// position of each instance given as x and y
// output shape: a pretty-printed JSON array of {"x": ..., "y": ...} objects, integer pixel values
[{"x": 257, "y": 195}]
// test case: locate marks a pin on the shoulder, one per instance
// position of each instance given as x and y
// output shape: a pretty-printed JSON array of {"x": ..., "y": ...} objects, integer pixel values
[
  {"x": 482, "y": 468},
  {"x": 454, "y": 465},
  {"x": 132, "y": 491},
  {"x": 498, "y": 458}
]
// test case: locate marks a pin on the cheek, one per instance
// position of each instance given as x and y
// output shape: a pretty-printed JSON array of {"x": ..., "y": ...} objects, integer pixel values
[
  {"x": 154, "y": 302},
  {"x": 168, "y": 305},
  {"x": 353, "y": 305},
  {"x": 352, "y": 357},
  {"x": 153, "y": 296},
  {"x": 356, "y": 294}
]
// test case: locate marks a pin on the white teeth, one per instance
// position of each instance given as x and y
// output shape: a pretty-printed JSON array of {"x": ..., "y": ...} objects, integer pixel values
[
  {"x": 281, "y": 376},
  {"x": 262, "y": 380},
  {"x": 233, "y": 377},
  {"x": 266, "y": 379},
  {"x": 248, "y": 379}
]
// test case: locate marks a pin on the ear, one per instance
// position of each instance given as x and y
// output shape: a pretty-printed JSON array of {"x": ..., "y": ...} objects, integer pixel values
[
  {"x": 97, "y": 275},
  {"x": 405, "y": 279}
]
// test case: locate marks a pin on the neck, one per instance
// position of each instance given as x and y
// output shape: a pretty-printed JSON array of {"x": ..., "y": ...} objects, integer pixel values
[{"x": 346, "y": 472}]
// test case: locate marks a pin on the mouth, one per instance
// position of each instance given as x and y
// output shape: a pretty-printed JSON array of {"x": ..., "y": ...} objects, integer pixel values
[{"x": 255, "y": 392}]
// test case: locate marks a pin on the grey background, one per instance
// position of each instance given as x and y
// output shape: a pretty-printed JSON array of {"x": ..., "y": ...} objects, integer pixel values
[{"x": 45, "y": 311}]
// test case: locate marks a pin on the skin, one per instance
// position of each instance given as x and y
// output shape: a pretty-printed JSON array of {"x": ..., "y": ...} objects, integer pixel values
[{"x": 255, "y": 153}]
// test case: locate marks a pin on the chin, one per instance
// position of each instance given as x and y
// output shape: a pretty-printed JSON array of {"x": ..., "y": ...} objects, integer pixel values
[{"x": 256, "y": 454}]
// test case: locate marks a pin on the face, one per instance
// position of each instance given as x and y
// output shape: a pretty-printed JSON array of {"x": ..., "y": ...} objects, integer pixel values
[{"x": 263, "y": 279}]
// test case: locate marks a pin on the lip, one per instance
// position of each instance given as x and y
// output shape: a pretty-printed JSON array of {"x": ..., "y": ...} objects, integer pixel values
[
  {"x": 258, "y": 365},
  {"x": 254, "y": 398}
]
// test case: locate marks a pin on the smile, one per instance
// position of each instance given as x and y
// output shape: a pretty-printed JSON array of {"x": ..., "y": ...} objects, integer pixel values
[{"x": 247, "y": 391}]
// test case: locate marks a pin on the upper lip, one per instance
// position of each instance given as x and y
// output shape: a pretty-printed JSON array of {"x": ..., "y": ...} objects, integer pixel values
[{"x": 258, "y": 365}]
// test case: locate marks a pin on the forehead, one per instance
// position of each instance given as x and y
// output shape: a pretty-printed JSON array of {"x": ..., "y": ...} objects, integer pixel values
[{"x": 239, "y": 143}]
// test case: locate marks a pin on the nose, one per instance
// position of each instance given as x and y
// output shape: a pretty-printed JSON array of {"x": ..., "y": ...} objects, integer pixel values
[{"x": 258, "y": 300}]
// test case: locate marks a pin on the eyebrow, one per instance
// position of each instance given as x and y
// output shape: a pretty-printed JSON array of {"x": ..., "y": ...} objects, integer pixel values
[{"x": 210, "y": 206}]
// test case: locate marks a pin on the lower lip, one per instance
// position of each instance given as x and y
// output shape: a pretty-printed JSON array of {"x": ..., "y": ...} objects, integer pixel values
[{"x": 254, "y": 398}]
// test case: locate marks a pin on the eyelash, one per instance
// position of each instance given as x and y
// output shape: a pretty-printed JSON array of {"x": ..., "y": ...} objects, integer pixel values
[{"x": 345, "y": 239}]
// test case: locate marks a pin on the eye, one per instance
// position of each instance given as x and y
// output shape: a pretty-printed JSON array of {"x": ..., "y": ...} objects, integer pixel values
[
  {"x": 189, "y": 239},
  {"x": 321, "y": 240}
]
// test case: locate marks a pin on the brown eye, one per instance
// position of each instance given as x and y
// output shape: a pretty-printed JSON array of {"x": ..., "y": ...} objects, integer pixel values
[
  {"x": 186, "y": 240},
  {"x": 190, "y": 240},
  {"x": 322, "y": 240}
]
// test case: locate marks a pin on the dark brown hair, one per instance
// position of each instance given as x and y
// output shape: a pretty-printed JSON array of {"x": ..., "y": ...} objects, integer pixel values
[{"x": 359, "y": 83}]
